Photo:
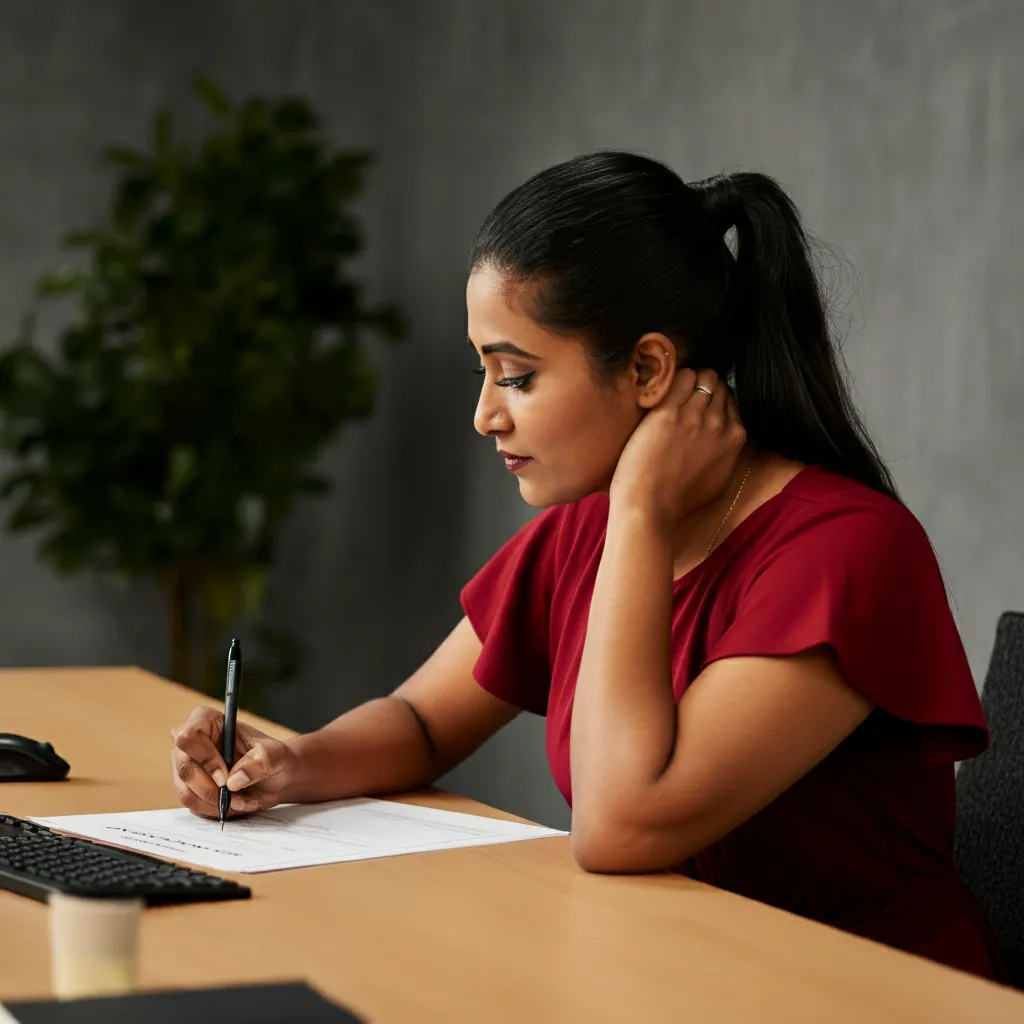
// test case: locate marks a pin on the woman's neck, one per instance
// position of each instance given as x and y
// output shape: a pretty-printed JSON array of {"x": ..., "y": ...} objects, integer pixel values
[{"x": 769, "y": 474}]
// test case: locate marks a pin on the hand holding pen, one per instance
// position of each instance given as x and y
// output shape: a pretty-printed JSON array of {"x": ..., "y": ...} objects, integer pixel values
[{"x": 263, "y": 771}]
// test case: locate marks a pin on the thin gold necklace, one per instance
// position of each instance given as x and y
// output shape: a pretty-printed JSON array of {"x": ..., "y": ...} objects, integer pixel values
[{"x": 750, "y": 466}]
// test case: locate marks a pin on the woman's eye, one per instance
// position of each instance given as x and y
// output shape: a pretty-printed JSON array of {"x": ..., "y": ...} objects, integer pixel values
[
  {"x": 518, "y": 383},
  {"x": 515, "y": 382}
]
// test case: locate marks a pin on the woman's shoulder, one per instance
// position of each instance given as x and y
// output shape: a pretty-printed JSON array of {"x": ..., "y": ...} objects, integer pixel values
[
  {"x": 818, "y": 486},
  {"x": 835, "y": 512}
]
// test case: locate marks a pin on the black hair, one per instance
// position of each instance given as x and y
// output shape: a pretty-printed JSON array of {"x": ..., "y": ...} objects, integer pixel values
[{"x": 613, "y": 245}]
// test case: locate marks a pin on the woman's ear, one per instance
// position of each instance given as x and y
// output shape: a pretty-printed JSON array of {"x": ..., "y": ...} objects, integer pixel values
[{"x": 654, "y": 368}]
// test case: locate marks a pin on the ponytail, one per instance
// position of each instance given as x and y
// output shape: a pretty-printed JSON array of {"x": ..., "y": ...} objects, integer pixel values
[{"x": 790, "y": 377}]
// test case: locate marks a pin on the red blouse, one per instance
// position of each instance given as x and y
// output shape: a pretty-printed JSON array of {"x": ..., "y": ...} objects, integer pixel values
[{"x": 864, "y": 840}]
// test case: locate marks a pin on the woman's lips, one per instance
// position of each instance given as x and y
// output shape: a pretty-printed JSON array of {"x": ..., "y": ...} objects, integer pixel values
[{"x": 513, "y": 463}]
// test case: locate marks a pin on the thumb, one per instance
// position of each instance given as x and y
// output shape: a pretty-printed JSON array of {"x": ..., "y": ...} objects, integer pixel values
[{"x": 254, "y": 766}]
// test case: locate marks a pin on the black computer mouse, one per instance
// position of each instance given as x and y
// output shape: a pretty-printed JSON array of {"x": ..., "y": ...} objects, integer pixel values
[{"x": 25, "y": 760}]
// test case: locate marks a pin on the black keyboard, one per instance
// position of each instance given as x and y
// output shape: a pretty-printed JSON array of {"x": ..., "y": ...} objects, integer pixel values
[{"x": 36, "y": 861}]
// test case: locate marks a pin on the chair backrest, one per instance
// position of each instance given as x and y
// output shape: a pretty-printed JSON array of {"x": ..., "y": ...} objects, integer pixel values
[{"x": 990, "y": 800}]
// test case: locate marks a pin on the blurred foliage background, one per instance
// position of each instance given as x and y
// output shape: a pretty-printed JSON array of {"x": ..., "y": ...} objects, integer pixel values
[{"x": 213, "y": 345}]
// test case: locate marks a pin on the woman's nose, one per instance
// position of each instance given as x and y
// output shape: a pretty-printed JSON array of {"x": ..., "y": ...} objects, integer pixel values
[{"x": 491, "y": 416}]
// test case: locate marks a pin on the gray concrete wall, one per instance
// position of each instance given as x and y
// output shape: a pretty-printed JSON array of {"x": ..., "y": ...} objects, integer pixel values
[{"x": 898, "y": 128}]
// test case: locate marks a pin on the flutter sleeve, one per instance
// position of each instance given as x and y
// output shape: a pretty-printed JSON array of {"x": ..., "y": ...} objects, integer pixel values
[
  {"x": 508, "y": 603},
  {"x": 867, "y": 584}
]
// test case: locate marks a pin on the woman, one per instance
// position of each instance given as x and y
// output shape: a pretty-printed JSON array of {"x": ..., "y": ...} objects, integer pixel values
[{"x": 739, "y": 635}]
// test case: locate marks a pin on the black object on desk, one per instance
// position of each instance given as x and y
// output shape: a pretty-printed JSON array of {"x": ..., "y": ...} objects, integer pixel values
[
  {"x": 295, "y": 1003},
  {"x": 25, "y": 760},
  {"x": 231, "y": 687},
  {"x": 36, "y": 861}
]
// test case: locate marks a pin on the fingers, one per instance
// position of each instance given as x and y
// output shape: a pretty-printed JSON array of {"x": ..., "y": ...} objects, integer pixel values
[
  {"x": 198, "y": 769},
  {"x": 198, "y": 738},
  {"x": 714, "y": 413},
  {"x": 189, "y": 772},
  {"x": 707, "y": 379},
  {"x": 718, "y": 411},
  {"x": 682, "y": 387},
  {"x": 700, "y": 400},
  {"x": 246, "y": 803},
  {"x": 205, "y": 809},
  {"x": 254, "y": 766},
  {"x": 197, "y": 792},
  {"x": 194, "y": 787}
]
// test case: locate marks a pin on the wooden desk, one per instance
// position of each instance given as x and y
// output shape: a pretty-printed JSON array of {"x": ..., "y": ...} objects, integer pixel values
[{"x": 514, "y": 932}]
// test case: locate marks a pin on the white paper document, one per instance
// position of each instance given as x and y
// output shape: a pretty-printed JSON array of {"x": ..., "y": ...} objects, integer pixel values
[{"x": 296, "y": 835}]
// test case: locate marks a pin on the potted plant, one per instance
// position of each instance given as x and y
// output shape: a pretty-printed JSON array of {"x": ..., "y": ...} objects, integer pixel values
[{"x": 213, "y": 348}]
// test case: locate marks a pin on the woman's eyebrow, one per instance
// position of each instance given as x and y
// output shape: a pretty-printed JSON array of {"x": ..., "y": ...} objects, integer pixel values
[{"x": 506, "y": 347}]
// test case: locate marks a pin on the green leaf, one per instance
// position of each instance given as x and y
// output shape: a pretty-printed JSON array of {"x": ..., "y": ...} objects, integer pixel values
[
  {"x": 254, "y": 117},
  {"x": 62, "y": 281},
  {"x": 192, "y": 219},
  {"x": 346, "y": 175},
  {"x": 133, "y": 196},
  {"x": 212, "y": 96},
  {"x": 73, "y": 459},
  {"x": 124, "y": 156},
  {"x": 29, "y": 515},
  {"x": 295, "y": 115},
  {"x": 162, "y": 129},
  {"x": 181, "y": 470},
  {"x": 16, "y": 481},
  {"x": 67, "y": 551},
  {"x": 32, "y": 378}
]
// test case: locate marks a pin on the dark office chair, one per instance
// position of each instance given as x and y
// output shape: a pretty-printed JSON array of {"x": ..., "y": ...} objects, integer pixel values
[{"x": 990, "y": 800}]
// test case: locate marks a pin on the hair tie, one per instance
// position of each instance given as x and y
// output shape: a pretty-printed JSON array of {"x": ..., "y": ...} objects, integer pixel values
[{"x": 723, "y": 205}]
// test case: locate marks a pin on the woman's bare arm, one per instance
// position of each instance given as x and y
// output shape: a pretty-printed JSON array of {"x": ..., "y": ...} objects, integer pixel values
[
  {"x": 405, "y": 741},
  {"x": 654, "y": 783}
]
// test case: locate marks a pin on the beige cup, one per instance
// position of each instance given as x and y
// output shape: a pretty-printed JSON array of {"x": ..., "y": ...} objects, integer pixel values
[{"x": 93, "y": 945}]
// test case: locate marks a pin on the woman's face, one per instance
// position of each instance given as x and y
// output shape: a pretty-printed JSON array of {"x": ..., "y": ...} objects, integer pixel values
[{"x": 540, "y": 399}]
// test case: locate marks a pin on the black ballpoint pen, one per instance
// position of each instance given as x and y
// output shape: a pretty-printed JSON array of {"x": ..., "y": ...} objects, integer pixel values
[{"x": 231, "y": 688}]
